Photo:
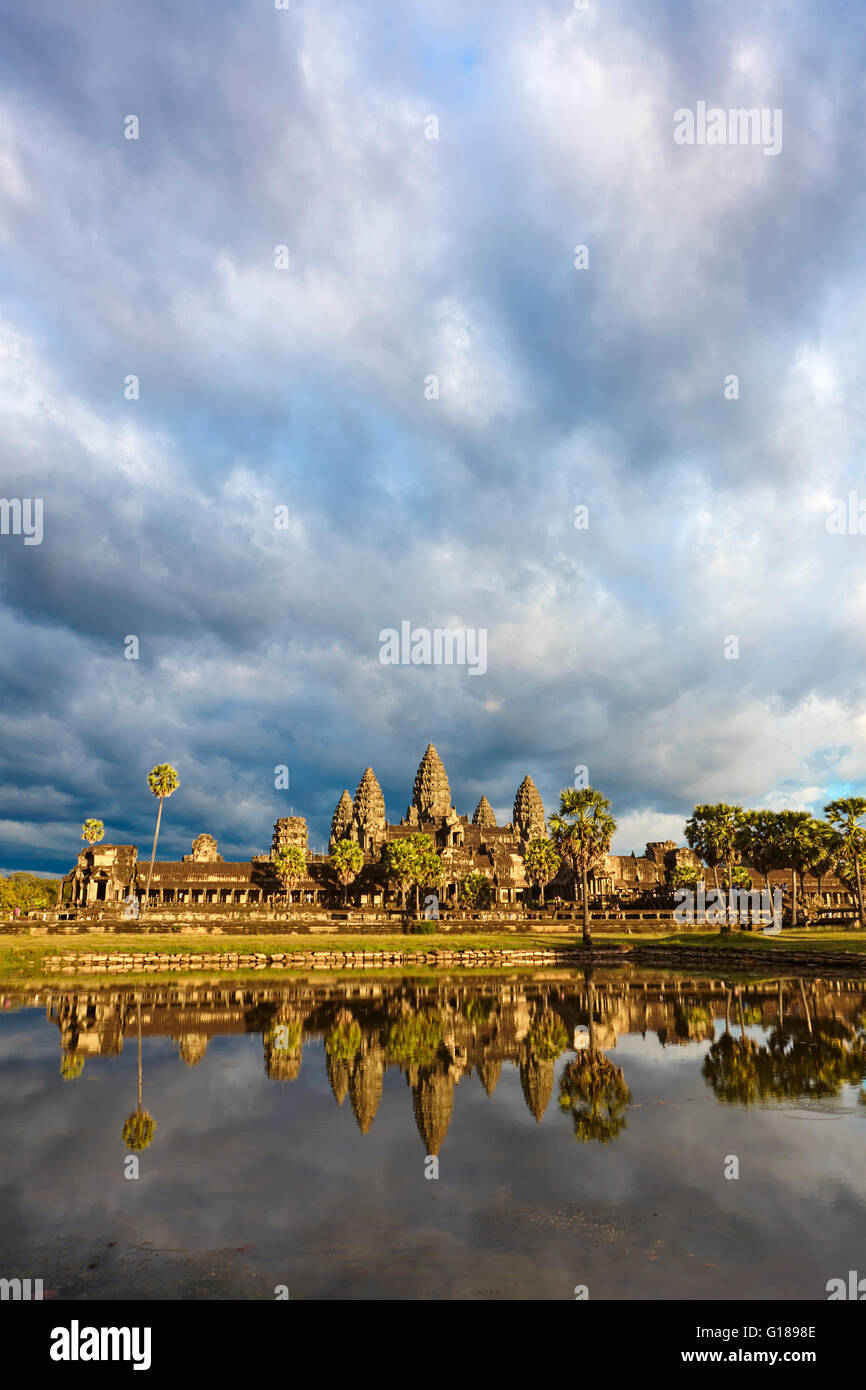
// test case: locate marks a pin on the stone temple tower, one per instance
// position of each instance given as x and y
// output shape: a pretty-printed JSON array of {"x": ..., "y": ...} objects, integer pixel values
[
  {"x": 529, "y": 821},
  {"x": 431, "y": 795},
  {"x": 484, "y": 814},
  {"x": 369, "y": 818},
  {"x": 342, "y": 818}
]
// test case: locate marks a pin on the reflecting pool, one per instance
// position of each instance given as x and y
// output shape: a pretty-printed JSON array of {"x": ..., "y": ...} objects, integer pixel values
[{"x": 440, "y": 1136}]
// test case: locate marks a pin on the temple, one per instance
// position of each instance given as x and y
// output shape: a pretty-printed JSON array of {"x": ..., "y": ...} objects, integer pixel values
[
  {"x": 111, "y": 877},
  {"x": 113, "y": 874}
]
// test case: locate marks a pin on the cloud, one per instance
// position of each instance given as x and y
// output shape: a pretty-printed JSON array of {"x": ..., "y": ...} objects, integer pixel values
[{"x": 558, "y": 387}]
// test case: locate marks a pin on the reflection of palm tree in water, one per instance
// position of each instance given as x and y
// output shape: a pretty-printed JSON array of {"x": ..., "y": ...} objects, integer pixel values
[
  {"x": 139, "y": 1127},
  {"x": 593, "y": 1088},
  {"x": 805, "y": 1057}
]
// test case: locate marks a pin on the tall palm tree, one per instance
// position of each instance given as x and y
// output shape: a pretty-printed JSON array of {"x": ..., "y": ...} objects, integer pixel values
[
  {"x": 758, "y": 842},
  {"x": 289, "y": 866},
  {"x": 828, "y": 849},
  {"x": 347, "y": 861},
  {"x": 163, "y": 782},
  {"x": 399, "y": 861},
  {"x": 582, "y": 831},
  {"x": 542, "y": 861},
  {"x": 798, "y": 844},
  {"x": 847, "y": 815},
  {"x": 428, "y": 871},
  {"x": 713, "y": 831}
]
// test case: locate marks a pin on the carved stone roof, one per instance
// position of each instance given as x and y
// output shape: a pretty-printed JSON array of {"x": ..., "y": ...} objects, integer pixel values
[
  {"x": 369, "y": 801},
  {"x": 342, "y": 818},
  {"x": 431, "y": 795},
  {"x": 529, "y": 811},
  {"x": 484, "y": 814}
]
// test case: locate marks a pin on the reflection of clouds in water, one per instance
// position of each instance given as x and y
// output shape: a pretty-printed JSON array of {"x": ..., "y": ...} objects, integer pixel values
[{"x": 239, "y": 1158}]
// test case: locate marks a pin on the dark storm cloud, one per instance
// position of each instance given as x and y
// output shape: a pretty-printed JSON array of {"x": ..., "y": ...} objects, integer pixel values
[{"x": 558, "y": 387}]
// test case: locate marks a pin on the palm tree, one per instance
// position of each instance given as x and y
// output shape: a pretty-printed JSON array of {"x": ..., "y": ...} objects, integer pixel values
[
  {"x": 427, "y": 871},
  {"x": 290, "y": 865},
  {"x": 828, "y": 850},
  {"x": 847, "y": 815},
  {"x": 92, "y": 831},
  {"x": 163, "y": 782},
  {"x": 758, "y": 842},
  {"x": 798, "y": 842},
  {"x": 582, "y": 832},
  {"x": 347, "y": 861},
  {"x": 399, "y": 861},
  {"x": 700, "y": 836},
  {"x": 712, "y": 830},
  {"x": 139, "y": 1127},
  {"x": 542, "y": 861}
]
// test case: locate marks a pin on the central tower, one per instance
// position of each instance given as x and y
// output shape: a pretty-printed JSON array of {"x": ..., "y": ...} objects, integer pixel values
[{"x": 431, "y": 795}]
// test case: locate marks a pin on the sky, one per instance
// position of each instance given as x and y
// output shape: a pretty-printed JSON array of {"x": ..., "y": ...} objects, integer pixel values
[{"x": 424, "y": 386}]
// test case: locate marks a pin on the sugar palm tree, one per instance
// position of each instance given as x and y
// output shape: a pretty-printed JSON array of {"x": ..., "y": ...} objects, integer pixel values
[
  {"x": 542, "y": 861},
  {"x": 582, "y": 831},
  {"x": 758, "y": 842},
  {"x": 347, "y": 861},
  {"x": 92, "y": 831},
  {"x": 289, "y": 866},
  {"x": 163, "y": 782},
  {"x": 427, "y": 870},
  {"x": 399, "y": 862},
  {"x": 847, "y": 815},
  {"x": 798, "y": 843},
  {"x": 712, "y": 830}
]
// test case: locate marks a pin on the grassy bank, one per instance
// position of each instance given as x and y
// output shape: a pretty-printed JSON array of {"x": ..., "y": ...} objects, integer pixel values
[
  {"x": 23, "y": 958},
  {"x": 831, "y": 942}
]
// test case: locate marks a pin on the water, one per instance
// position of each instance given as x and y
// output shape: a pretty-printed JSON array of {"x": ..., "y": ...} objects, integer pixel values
[{"x": 582, "y": 1130}]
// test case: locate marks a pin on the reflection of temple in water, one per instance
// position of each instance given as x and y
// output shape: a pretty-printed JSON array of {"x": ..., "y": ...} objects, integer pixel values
[{"x": 441, "y": 1032}]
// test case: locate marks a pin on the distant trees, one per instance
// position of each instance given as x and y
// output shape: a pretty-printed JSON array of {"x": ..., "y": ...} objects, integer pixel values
[
  {"x": 770, "y": 840},
  {"x": 347, "y": 861},
  {"x": 27, "y": 892},
  {"x": 542, "y": 860},
  {"x": 163, "y": 782},
  {"x": 475, "y": 890},
  {"x": 582, "y": 831}
]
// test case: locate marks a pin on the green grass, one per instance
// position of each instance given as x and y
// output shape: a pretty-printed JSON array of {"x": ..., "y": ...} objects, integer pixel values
[
  {"x": 853, "y": 942},
  {"x": 22, "y": 958}
]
